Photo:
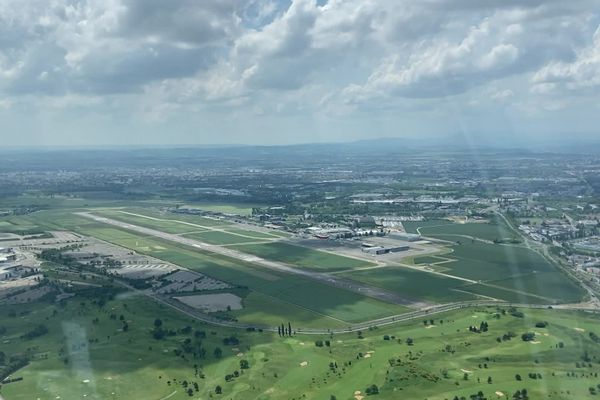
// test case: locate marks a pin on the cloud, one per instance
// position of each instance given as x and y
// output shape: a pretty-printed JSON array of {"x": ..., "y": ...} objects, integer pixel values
[
  {"x": 306, "y": 59},
  {"x": 110, "y": 46},
  {"x": 581, "y": 74}
]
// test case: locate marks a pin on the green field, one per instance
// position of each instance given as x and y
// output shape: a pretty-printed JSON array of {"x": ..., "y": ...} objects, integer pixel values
[
  {"x": 231, "y": 208},
  {"x": 429, "y": 260},
  {"x": 204, "y": 229},
  {"x": 494, "y": 230},
  {"x": 516, "y": 268},
  {"x": 412, "y": 226},
  {"x": 85, "y": 354},
  {"x": 222, "y": 238},
  {"x": 302, "y": 256},
  {"x": 513, "y": 267},
  {"x": 510, "y": 295},
  {"x": 166, "y": 223},
  {"x": 413, "y": 284}
]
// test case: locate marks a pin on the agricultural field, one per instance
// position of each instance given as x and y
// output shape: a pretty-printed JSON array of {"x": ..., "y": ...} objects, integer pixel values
[
  {"x": 304, "y": 257},
  {"x": 87, "y": 353}
]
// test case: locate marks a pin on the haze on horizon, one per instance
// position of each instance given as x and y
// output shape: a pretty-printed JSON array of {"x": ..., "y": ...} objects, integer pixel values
[{"x": 151, "y": 72}]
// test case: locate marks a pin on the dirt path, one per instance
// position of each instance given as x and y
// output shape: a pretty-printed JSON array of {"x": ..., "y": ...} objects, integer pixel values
[{"x": 164, "y": 398}]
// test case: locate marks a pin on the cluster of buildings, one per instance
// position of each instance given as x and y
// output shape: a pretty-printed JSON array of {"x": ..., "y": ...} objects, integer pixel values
[
  {"x": 551, "y": 229},
  {"x": 7, "y": 256}
]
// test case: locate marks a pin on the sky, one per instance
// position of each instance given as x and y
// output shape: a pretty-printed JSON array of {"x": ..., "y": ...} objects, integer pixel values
[{"x": 152, "y": 72}]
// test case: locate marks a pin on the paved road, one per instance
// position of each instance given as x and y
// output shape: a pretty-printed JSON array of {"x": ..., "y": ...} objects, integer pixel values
[{"x": 330, "y": 280}]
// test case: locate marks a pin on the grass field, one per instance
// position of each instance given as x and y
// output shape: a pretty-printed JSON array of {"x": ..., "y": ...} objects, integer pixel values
[
  {"x": 240, "y": 209},
  {"x": 222, "y": 238},
  {"x": 204, "y": 229},
  {"x": 413, "y": 284},
  {"x": 412, "y": 226},
  {"x": 512, "y": 296},
  {"x": 513, "y": 267},
  {"x": 516, "y": 268},
  {"x": 445, "y": 359},
  {"x": 166, "y": 223},
  {"x": 302, "y": 256},
  {"x": 496, "y": 229}
]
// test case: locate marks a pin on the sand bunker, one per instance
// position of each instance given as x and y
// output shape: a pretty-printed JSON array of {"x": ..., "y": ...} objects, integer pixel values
[
  {"x": 466, "y": 371},
  {"x": 535, "y": 342},
  {"x": 499, "y": 394},
  {"x": 304, "y": 363},
  {"x": 240, "y": 354},
  {"x": 367, "y": 356},
  {"x": 358, "y": 395},
  {"x": 579, "y": 329},
  {"x": 212, "y": 302},
  {"x": 430, "y": 326}
]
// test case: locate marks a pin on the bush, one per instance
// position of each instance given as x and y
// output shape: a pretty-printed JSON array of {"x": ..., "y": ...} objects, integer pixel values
[
  {"x": 371, "y": 390},
  {"x": 528, "y": 336}
]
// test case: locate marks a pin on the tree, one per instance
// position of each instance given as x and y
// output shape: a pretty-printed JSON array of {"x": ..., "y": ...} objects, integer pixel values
[
  {"x": 244, "y": 364},
  {"x": 218, "y": 389},
  {"x": 518, "y": 377},
  {"x": 218, "y": 353},
  {"x": 489, "y": 380},
  {"x": 157, "y": 323},
  {"x": 371, "y": 390},
  {"x": 528, "y": 336}
]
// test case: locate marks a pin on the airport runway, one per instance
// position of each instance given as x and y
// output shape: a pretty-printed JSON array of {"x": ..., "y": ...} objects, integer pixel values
[{"x": 342, "y": 283}]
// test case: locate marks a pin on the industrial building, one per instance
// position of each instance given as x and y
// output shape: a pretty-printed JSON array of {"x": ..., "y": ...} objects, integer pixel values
[
  {"x": 378, "y": 250},
  {"x": 409, "y": 237}
]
